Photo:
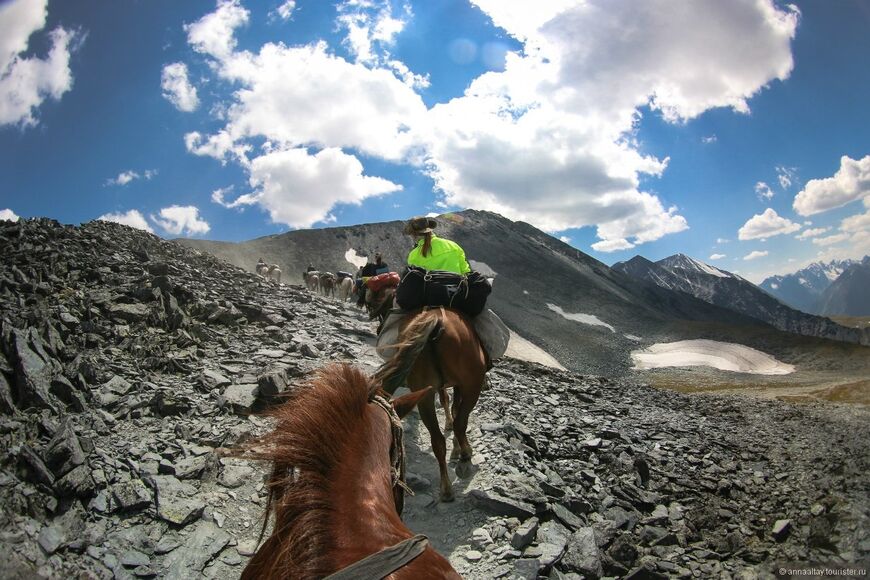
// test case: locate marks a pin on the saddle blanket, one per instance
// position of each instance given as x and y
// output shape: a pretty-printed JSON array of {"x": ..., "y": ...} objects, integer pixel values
[{"x": 494, "y": 335}]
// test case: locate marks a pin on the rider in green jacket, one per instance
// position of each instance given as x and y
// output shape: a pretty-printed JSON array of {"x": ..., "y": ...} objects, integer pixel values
[{"x": 431, "y": 252}]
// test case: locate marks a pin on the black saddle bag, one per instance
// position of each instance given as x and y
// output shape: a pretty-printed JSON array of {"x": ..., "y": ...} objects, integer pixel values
[{"x": 419, "y": 288}]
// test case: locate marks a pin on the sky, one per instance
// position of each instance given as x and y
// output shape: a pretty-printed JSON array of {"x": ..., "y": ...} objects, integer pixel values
[{"x": 735, "y": 132}]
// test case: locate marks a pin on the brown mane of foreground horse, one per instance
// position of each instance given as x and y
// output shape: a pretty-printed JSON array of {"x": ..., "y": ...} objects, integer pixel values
[
  {"x": 438, "y": 347},
  {"x": 331, "y": 487}
]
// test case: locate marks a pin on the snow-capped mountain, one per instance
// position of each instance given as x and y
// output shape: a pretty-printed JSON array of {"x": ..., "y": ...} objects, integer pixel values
[
  {"x": 848, "y": 294},
  {"x": 804, "y": 288},
  {"x": 722, "y": 288}
]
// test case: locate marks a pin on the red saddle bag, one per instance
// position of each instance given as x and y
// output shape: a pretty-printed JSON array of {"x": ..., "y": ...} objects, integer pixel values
[{"x": 381, "y": 281}]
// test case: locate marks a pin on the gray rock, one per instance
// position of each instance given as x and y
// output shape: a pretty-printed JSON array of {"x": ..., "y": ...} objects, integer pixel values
[
  {"x": 552, "y": 538},
  {"x": 200, "y": 548},
  {"x": 134, "y": 558},
  {"x": 525, "y": 534},
  {"x": 501, "y": 505},
  {"x": 190, "y": 467},
  {"x": 50, "y": 539},
  {"x": 211, "y": 380},
  {"x": 131, "y": 495},
  {"x": 234, "y": 475},
  {"x": 34, "y": 370},
  {"x": 37, "y": 471},
  {"x": 781, "y": 530},
  {"x": 129, "y": 312},
  {"x": 582, "y": 554},
  {"x": 64, "y": 452},
  {"x": 76, "y": 483},
  {"x": 176, "y": 500},
  {"x": 273, "y": 383},
  {"x": 526, "y": 568},
  {"x": 623, "y": 550},
  {"x": 565, "y": 516},
  {"x": 241, "y": 398}
]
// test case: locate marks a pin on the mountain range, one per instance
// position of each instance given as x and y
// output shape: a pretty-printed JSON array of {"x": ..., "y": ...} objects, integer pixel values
[
  {"x": 806, "y": 289},
  {"x": 587, "y": 315}
]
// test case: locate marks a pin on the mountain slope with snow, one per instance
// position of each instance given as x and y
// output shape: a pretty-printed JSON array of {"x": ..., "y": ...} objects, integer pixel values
[{"x": 803, "y": 289}]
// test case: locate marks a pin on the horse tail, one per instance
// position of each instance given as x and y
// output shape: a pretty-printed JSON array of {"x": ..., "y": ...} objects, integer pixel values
[{"x": 414, "y": 339}]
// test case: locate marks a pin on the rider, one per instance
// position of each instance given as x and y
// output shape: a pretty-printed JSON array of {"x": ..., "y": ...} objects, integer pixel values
[{"x": 431, "y": 252}]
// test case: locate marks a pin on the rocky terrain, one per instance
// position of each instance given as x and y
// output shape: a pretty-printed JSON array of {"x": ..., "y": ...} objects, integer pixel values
[{"x": 128, "y": 362}]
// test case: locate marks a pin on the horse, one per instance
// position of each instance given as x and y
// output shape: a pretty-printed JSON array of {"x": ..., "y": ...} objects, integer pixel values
[
  {"x": 274, "y": 273},
  {"x": 312, "y": 280},
  {"x": 262, "y": 268},
  {"x": 345, "y": 287},
  {"x": 438, "y": 347},
  {"x": 336, "y": 487},
  {"x": 327, "y": 284}
]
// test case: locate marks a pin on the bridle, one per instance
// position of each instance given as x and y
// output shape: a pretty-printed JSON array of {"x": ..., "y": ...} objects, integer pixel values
[
  {"x": 397, "y": 451},
  {"x": 383, "y": 563}
]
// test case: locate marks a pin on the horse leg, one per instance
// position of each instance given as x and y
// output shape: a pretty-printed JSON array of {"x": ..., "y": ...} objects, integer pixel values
[
  {"x": 445, "y": 404},
  {"x": 439, "y": 443},
  {"x": 460, "y": 427}
]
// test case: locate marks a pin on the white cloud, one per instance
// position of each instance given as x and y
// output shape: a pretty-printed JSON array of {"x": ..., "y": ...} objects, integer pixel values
[
  {"x": 213, "y": 34},
  {"x": 831, "y": 240},
  {"x": 371, "y": 28},
  {"x": 786, "y": 176},
  {"x": 300, "y": 189},
  {"x": 717, "y": 256},
  {"x": 132, "y": 218},
  {"x": 217, "y": 196},
  {"x": 766, "y": 225},
  {"x": 709, "y": 139},
  {"x": 722, "y": 240},
  {"x": 612, "y": 245},
  {"x": 811, "y": 233},
  {"x": 26, "y": 82},
  {"x": 285, "y": 10},
  {"x": 177, "y": 88},
  {"x": 755, "y": 255},
  {"x": 126, "y": 177},
  {"x": 856, "y": 223},
  {"x": 8, "y": 214},
  {"x": 179, "y": 220},
  {"x": 850, "y": 183},
  {"x": 550, "y": 139},
  {"x": 763, "y": 191}
]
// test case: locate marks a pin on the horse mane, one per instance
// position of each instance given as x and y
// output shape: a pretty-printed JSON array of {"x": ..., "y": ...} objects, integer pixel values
[{"x": 303, "y": 461}]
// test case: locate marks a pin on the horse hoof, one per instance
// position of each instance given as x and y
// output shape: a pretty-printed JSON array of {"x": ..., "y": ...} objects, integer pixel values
[
  {"x": 447, "y": 497},
  {"x": 448, "y": 427},
  {"x": 464, "y": 469}
]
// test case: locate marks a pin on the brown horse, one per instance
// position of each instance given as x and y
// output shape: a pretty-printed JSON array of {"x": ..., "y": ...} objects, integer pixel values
[
  {"x": 327, "y": 284},
  {"x": 336, "y": 483},
  {"x": 439, "y": 348}
]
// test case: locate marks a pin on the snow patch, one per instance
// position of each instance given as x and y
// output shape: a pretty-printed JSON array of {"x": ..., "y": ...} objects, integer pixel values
[
  {"x": 355, "y": 259},
  {"x": 580, "y": 317},
  {"x": 710, "y": 269},
  {"x": 774, "y": 286},
  {"x": 522, "y": 349},
  {"x": 632, "y": 337},
  {"x": 724, "y": 356}
]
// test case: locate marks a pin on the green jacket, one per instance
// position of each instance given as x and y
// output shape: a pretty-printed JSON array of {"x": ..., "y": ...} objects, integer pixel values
[{"x": 444, "y": 255}]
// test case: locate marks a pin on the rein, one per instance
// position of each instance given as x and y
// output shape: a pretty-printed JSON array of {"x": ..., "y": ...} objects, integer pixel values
[{"x": 388, "y": 560}]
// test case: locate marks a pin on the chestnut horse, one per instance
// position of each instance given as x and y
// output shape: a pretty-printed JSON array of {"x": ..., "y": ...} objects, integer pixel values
[
  {"x": 438, "y": 347},
  {"x": 336, "y": 487}
]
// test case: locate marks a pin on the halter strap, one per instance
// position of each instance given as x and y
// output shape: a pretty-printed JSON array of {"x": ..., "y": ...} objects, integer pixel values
[{"x": 385, "y": 562}]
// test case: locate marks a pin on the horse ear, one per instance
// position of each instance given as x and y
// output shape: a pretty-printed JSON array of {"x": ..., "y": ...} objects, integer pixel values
[{"x": 403, "y": 405}]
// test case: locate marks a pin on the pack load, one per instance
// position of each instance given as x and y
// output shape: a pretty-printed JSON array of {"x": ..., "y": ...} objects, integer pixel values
[
  {"x": 342, "y": 275},
  {"x": 377, "y": 283},
  {"x": 466, "y": 293}
]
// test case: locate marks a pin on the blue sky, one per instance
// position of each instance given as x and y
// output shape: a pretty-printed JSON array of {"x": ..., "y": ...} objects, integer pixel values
[{"x": 735, "y": 132}]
